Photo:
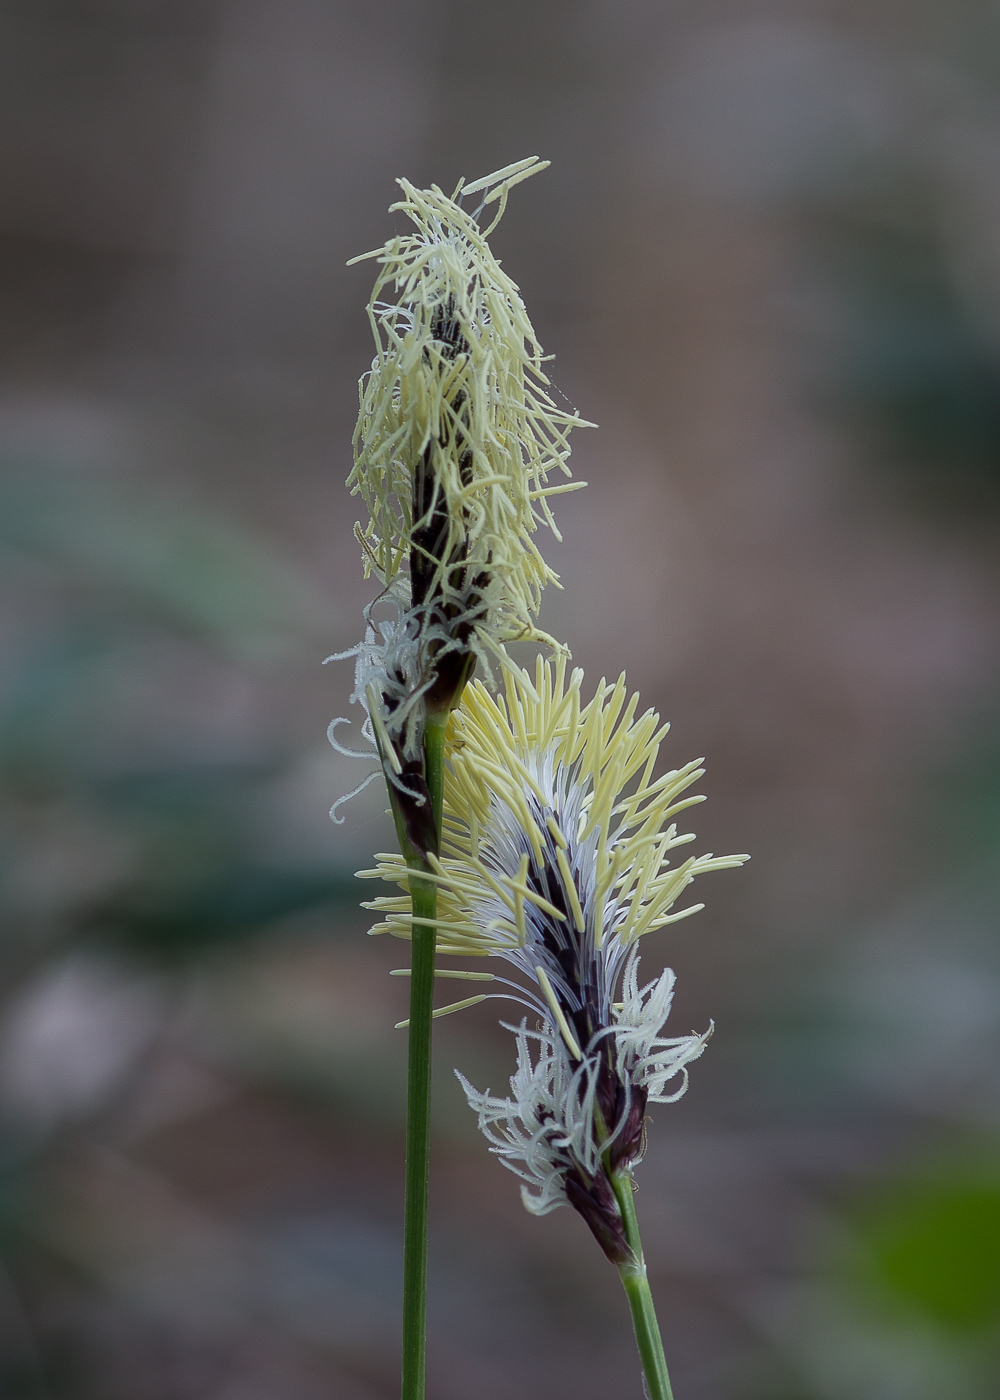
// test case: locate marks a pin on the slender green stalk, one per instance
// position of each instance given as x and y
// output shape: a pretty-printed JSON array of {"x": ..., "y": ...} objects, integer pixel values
[
  {"x": 640, "y": 1299},
  {"x": 418, "y": 1086}
]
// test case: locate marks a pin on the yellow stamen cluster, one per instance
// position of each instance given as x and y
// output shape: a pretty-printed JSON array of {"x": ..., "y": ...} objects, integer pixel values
[
  {"x": 457, "y": 391},
  {"x": 506, "y": 755}
]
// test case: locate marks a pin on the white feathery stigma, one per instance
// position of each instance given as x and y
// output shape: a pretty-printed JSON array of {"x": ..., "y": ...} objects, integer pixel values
[{"x": 387, "y": 682}]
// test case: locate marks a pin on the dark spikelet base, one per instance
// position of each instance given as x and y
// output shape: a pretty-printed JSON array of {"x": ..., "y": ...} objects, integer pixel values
[
  {"x": 415, "y": 808},
  {"x": 595, "y": 1201},
  {"x": 629, "y": 1115},
  {"x": 452, "y": 672}
]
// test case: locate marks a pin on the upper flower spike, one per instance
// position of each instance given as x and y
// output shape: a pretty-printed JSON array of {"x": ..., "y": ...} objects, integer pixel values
[{"x": 457, "y": 434}]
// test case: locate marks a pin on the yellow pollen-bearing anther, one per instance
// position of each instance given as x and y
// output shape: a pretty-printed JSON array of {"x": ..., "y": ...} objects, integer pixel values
[
  {"x": 446, "y": 1010},
  {"x": 457, "y": 973},
  {"x": 522, "y": 879},
  {"x": 548, "y": 993},
  {"x": 571, "y": 891}
]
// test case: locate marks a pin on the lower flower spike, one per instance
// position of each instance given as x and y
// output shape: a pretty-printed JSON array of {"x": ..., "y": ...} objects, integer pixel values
[{"x": 556, "y": 856}]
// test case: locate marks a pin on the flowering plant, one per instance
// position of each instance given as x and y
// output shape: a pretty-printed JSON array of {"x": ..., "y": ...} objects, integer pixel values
[{"x": 532, "y": 825}]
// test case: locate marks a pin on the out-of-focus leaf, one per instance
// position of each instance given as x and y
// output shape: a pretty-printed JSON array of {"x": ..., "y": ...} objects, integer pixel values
[
  {"x": 915, "y": 365},
  {"x": 968, "y": 802},
  {"x": 935, "y": 1248},
  {"x": 229, "y": 905},
  {"x": 198, "y": 572}
]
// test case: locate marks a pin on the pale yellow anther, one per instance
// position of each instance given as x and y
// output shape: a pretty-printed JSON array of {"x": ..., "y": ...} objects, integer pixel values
[
  {"x": 518, "y": 888},
  {"x": 456, "y": 973},
  {"x": 571, "y": 891},
  {"x": 522, "y": 879},
  {"x": 548, "y": 992},
  {"x": 555, "y": 831},
  {"x": 446, "y": 1010}
]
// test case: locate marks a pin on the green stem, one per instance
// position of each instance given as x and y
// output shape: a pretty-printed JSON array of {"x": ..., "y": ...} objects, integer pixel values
[
  {"x": 418, "y": 1087},
  {"x": 640, "y": 1299}
]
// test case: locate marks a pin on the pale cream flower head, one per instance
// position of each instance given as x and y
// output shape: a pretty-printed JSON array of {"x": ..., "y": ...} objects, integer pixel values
[
  {"x": 558, "y": 855},
  {"x": 458, "y": 432}
]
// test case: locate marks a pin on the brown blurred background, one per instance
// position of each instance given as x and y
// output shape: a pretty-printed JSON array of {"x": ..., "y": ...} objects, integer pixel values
[{"x": 767, "y": 257}]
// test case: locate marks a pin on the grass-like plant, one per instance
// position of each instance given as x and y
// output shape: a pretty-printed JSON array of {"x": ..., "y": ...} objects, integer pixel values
[{"x": 532, "y": 825}]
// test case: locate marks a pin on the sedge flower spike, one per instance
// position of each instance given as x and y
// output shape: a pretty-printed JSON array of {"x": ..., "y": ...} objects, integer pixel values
[
  {"x": 456, "y": 439},
  {"x": 457, "y": 431},
  {"x": 557, "y": 856}
]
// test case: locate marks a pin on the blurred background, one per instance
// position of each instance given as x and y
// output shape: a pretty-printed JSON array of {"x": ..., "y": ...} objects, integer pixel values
[{"x": 767, "y": 258}]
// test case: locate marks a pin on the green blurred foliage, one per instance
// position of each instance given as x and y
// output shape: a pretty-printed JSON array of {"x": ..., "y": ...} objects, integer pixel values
[
  {"x": 197, "y": 884},
  {"x": 113, "y": 576},
  {"x": 917, "y": 365},
  {"x": 152, "y": 559},
  {"x": 933, "y": 1246},
  {"x": 969, "y": 800},
  {"x": 892, "y": 1033},
  {"x": 123, "y": 572},
  {"x": 902, "y": 1297}
]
